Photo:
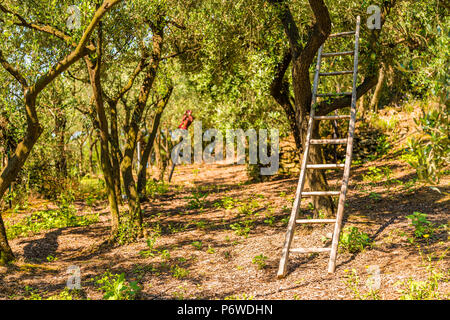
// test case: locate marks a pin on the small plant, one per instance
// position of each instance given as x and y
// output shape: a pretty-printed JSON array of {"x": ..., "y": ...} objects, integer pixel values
[
  {"x": 248, "y": 209},
  {"x": 177, "y": 227},
  {"x": 376, "y": 174},
  {"x": 227, "y": 203},
  {"x": 156, "y": 188},
  {"x": 211, "y": 250},
  {"x": 90, "y": 200},
  {"x": 151, "y": 247},
  {"x": 197, "y": 200},
  {"x": 201, "y": 224},
  {"x": 375, "y": 196},
  {"x": 140, "y": 270},
  {"x": 353, "y": 240},
  {"x": 383, "y": 146},
  {"x": 353, "y": 283},
  {"x": 244, "y": 296},
  {"x": 165, "y": 255},
  {"x": 242, "y": 228},
  {"x": 270, "y": 219},
  {"x": 285, "y": 220},
  {"x": 31, "y": 294},
  {"x": 260, "y": 260},
  {"x": 128, "y": 230},
  {"x": 411, "y": 289},
  {"x": 179, "y": 295},
  {"x": 197, "y": 245},
  {"x": 51, "y": 258},
  {"x": 227, "y": 255},
  {"x": 409, "y": 186},
  {"x": 429, "y": 153},
  {"x": 115, "y": 287},
  {"x": 422, "y": 227},
  {"x": 179, "y": 272},
  {"x": 67, "y": 294}
]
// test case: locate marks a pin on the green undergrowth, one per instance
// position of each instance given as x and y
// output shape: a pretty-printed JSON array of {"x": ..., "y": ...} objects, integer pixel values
[{"x": 62, "y": 217}]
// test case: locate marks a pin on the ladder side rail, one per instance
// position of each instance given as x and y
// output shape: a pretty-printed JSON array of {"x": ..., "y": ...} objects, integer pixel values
[
  {"x": 296, "y": 205},
  {"x": 348, "y": 160}
]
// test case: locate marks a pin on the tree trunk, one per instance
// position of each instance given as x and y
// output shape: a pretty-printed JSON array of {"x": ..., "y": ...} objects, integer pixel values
[
  {"x": 160, "y": 163},
  {"x": 115, "y": 154},
  {"x": 361, "y": 111},
  {"x": 91, "y": 161},
  {"x": 142, "y": 175},
  {"x": 60, "y": 130},
  {"x": 302, "y": 58},
  {"x": 81, "y": 159},
  {"x": 97, "y": 153},
  {"x": 279, "y": 89},
  {"x": 132, "y": 128},
  {"x": 105, "y": 155},
  {"x": 378, "y": 89},
  {"x": 15, "y": 164}
]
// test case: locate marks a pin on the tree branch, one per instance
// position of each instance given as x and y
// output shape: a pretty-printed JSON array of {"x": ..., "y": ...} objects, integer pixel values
[
  {"x": 290, "y": 27},
  {"x": 143, "y": 63},
  {"x": 279, "y": 89},
  {"x": 78, "y": 52},
  {"x": 181, "y": 52},
  {"x": 46, "y": 28},
  {"x": 13, "y": 71}
]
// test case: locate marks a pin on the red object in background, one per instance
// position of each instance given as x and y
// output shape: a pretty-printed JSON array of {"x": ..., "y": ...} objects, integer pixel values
[{"x": 187, "y": 120}]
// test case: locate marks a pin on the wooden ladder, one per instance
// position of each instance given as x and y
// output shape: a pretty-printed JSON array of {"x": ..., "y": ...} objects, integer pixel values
[{"x": 293, "y": 221}]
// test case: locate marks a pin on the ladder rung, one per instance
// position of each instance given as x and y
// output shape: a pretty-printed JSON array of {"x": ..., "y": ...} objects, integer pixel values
[
  {"x": 334, "y": 54},
  {"x": 341, "y": 34},
  {"x": 334, "y": 94},
  {"x": 304, "y": 221},
  {"x": 341, "y": 116},
  {"x": 309, "y": 250},
  {"x": 325, "y": 166},
  {"x": 328, "y": 141},
  {"x": 321, "y": 193},
  {"x": 336, "y": 73}
]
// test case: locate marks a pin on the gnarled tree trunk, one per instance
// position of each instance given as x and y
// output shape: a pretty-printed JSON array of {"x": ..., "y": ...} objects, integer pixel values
[
  {"x": 302, "y": 58},
  {"x": 377, "y": 93},
  {"x": 15, "y": 164},
  {"x": 115, "y": 150},
  {"x": 142, "y": 175},
  {"x": 132, "y": 128},
  {"x": 93, "y": 67}
]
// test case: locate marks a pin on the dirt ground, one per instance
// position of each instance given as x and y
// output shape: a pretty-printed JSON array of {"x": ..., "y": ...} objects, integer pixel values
[{"x": 223, "y": 267}]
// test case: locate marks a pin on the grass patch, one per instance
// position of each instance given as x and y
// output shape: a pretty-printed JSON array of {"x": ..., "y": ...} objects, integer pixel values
[
  {"x": 46, "y": 220},
  {"x": 352, "y": 240}
]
